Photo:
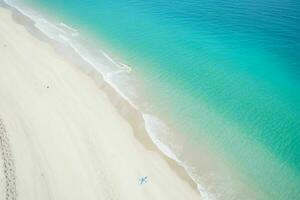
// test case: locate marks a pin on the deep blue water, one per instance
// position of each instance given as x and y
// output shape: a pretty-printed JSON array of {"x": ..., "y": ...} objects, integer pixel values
[{"x": 225, "y": 74}]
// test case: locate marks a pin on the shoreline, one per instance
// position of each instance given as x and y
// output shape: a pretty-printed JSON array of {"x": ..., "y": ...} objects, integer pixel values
[{"x": 127, "y": 111}]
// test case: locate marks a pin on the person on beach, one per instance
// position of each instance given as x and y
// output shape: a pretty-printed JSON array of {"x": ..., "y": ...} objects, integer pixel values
[{"x": 143, "y": 180}]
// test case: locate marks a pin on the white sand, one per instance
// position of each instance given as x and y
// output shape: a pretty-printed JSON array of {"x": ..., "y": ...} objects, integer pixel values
[{"x": 68, "y": 141}]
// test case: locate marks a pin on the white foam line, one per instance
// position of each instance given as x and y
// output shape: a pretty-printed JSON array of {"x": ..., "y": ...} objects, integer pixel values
[
  {"x": 126, "y": 67},
  {"x": 67, "y": 27},
  {"x": 85, "y": 58},
  {"x": 153, "y": 135},
  {"x": 123, "y": 67},
  {"x": 165, "y": 149},
  {"x": 108, "y": 57},
  {"x": 106, "y": 76}
]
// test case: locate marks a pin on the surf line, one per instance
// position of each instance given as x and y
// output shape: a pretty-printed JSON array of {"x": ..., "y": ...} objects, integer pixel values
[{"x": 8, "y": 164}]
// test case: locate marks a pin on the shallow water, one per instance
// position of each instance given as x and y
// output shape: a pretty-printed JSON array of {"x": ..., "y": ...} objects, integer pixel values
[{"x": 224, "y": 76}]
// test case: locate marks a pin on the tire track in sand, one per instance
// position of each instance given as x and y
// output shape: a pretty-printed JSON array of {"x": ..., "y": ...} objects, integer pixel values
[{"x": 8, "y": 164}]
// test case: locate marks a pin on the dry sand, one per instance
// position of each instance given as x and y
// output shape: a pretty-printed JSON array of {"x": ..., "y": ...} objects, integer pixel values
[{"x": 60, "y": 136}]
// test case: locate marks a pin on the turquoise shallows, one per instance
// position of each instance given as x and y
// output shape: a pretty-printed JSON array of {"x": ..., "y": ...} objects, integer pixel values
[{"x": 223, "y": 73}]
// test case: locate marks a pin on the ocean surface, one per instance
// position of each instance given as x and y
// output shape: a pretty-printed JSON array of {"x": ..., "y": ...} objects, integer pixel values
[{"x": 218, "y": 82}]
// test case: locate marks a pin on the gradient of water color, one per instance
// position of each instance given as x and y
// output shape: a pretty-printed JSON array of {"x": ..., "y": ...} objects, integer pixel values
[{"x": 224, "y": 74}]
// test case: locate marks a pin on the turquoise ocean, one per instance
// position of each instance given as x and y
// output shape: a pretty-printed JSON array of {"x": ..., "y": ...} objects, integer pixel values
[{"x": 218, "y": 82}]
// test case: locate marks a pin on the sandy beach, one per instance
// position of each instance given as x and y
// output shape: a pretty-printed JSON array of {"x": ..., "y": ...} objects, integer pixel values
[{"x": 61, "y": 137}]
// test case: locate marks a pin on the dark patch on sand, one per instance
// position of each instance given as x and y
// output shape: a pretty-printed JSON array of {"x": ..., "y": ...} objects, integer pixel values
[{"x": 8, "y": 165}]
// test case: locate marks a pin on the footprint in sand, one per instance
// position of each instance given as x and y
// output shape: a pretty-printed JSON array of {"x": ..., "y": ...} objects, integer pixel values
[{"x": 8, "y": 165}]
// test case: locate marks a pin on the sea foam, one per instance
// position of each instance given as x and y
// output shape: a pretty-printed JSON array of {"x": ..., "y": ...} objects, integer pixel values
[{"x": 116, "y": 74}]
